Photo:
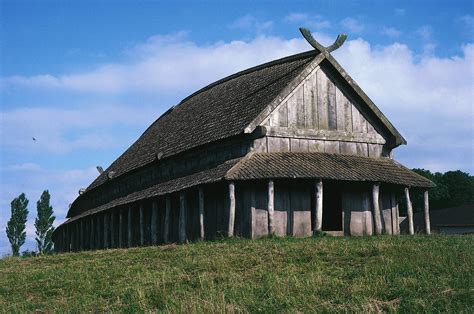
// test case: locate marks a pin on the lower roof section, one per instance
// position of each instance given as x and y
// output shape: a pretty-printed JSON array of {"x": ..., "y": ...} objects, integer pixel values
[
  {"x": 325, "y": 166},
  {"x": 282, "y": 165}
]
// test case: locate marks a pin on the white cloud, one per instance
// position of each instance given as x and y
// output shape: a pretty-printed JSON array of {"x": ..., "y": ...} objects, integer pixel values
[
  {"x": 313, "y": 21},
  {"x": 352, "y": 25},
  {"x": 391, "y": 32}
]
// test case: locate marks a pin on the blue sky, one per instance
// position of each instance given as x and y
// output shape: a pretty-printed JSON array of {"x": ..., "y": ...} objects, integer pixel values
[{"x": 86, "y": 78}]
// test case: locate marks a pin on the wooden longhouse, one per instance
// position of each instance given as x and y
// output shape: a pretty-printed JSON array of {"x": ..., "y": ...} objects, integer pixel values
[{"x": 290, "y": 147}]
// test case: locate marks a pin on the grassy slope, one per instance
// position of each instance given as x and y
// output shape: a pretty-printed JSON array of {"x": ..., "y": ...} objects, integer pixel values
[{"x": 364, "y": 274}]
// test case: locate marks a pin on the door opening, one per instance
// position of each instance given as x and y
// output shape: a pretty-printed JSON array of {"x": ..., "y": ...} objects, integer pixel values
[{"x": 332, "y": 207}]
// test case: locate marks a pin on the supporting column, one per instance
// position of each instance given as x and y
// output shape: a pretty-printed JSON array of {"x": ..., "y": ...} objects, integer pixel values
[
  {"x": 201, "y": 213},
  {"x": 271, "y": 207},
  {"x": 182, "y": 217},
  {"x": 120, "y": 228},
  {"x": 376, "y": 207},
  {"x": 427, "y": 212},
  {"x": 106, "y": 230},
  {"x": 318, "y": 217},
  {"x": 411, "y": 228},
  {"x": 112, "y": 228},
  {"x": 129, "y": 227},
  {"x": 230, "y": 229},
  {"x": 154, "y": 222},
  {"x": 142, "y": 225},
  {"x": 91, "y": 231},
  {"x": 166, "y": 226}
]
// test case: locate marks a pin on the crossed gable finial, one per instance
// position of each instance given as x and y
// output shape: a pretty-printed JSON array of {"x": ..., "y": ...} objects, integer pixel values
[{"x": 310, "y": 39}]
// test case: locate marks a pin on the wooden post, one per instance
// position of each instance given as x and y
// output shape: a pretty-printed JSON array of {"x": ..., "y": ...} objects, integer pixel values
[
  {"x": 106, "y": 231},
  {"x": 427, "y": 212},
  {"x": 120, "y": 228},
  {"x": 98, "y": 232},
  {"x": 376, "y": 207},
  {"x": 201, "y": 213},
  {"x": 154, "y": 222},
  {"x": 271, "y": 207},
  {"x": 318, "y": 217},
  {"x": 166, "y": 226},
  {"x": 142, "y": 226},
  {"x": 409, "y": 212},
  {"x": 129, "y": 227},
  {"x": 112, "y": 228},
  {"x": 92, "y": 230},
  {"x": 230, "y": 229},
  {"x": 182, "y": 217}
]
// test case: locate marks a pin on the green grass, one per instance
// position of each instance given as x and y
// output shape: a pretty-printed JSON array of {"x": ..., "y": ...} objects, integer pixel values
[{"x": 403, "y": 273}]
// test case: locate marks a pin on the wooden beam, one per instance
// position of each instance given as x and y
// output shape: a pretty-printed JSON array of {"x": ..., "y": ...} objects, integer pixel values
[
  {"x": 201, "y": 213},
  {"x": 182, "y": 217},
  {"x": 318, "y": 217},
  {"x": 120, "y": 228},
  {"x": 129, "y": 227},
  {"x": 166, "y": 226},
  {"x": 230, "y": 229},
  {"x": 142, "y": 225},
  {"x": 154, "y": 222},
  {"x": 411, "y": 228},
  {"x": 253, "y": 207},
  {"x": 427, "y": 212},
  {"x": 271, "y": 206},
  {"x": 376, "y": 208}
]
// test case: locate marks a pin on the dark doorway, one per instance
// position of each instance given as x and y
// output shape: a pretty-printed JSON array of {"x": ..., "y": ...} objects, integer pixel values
[{"x": 332, "y": 207}]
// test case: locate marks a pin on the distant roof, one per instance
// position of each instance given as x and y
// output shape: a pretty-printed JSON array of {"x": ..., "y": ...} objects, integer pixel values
[{"x": 326, "y": 166}]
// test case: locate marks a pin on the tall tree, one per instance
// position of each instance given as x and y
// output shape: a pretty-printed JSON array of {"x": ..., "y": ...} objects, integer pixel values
[
  {"x": 44, "y": 224},
  {"x": 16, "y": 225}
]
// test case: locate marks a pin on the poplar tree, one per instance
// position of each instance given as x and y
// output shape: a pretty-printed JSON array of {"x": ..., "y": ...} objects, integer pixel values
[
  {"x": 44, "y": 224},
  {"x": 17, "y": 224}
]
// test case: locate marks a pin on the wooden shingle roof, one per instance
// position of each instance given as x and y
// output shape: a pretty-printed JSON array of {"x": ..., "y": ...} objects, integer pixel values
[
  {"x": 325, "y": 166},
  {"x": 220, "y": 110}
]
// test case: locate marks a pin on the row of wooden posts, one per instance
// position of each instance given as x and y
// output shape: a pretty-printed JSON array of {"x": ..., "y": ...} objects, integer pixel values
[{"x": 73, "y": 235}]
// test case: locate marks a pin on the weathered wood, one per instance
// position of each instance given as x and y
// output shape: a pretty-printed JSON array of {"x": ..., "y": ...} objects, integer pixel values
[
  {"x": 142, "y": 224},
  {"x": 112, "y": 228},
  {"x": 120, "y": 229},
  {"x": 340, "y": 110},
  {"x": 98, "y": 224},
  {"x": 81, "y": 234},
  {"x": 300, "y": 112},
  {"x": 230, "y": 229},
  {"x": 129, "y": 228},
  {"x": 332, "y": 115},
  {"x": 283, "y": 115},
  {"x": 376, "y": 208},
  {"x": 154, "y": 222},
  {"x": 427, "y": 212},
  {"x": 201, "y": 213},
  {"x": 318, "y": 217},
  {"x": 182, "y": 217},
  {"x": 393, "y": 204},
  {"x": 292, "y": 111},
  {"x": 334, "y": 135},
  {"x": 166, "y": 226},
  {"x": 106, "y": 230},
  {"x": 331, "y": 147},
  {"x": 411, "y": 228},
  {"x": 271, "y": 207},
  {"x": 322, "y": 100},
  {"x": 308, "y": 102}
]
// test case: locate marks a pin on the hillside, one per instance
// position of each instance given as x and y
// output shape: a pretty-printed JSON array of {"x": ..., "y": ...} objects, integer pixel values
[{"x": 385, "y": 273}]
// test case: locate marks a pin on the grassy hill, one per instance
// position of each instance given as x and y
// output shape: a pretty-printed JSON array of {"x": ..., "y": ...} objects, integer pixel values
[{"x": 383, "y": 273}]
